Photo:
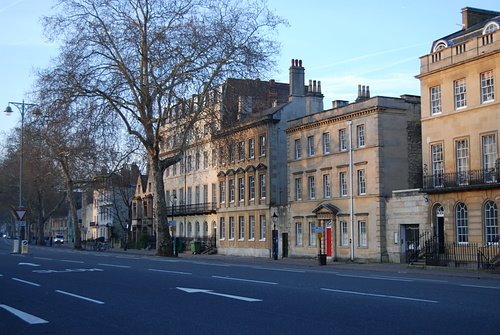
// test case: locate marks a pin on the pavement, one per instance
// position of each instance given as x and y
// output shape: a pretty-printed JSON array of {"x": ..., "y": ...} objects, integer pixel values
[{"x": 396, "y": 268}]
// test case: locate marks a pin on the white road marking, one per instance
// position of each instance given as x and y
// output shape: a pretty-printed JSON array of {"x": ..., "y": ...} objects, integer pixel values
[
  {"x": 246, "y": 280},
  {"x": 115, "y": 265},
  {"x": 174, "y": 272},
  {"x": 379, "y": 295},
  {"x": 25, "y": 281},
  {"x": 80, "y": 297},
  {"x": 376, "y": 277},
  {"x": 230, "y": 296},
  {"x": 31, "y": 319},
  {"x": 71, "y": 261},
  {"x": 29, "y": 264},
  {"x": 277, "y": 269},
  {"x": 44, "y": 258},
  {"x": 481, "y": 286}
]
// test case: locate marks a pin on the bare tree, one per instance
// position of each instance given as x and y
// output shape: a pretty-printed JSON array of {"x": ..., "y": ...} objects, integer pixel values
[{"x": 141, "y": 57}]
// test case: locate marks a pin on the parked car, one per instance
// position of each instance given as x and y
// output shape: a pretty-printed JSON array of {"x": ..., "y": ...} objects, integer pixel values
[{"x": 59, "y": 238}]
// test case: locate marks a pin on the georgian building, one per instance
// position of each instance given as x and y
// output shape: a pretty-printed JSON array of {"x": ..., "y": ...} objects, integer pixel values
[
  {"x": 142, "y": 228},
  {"x": 460, "y": 129},
  {"x": 232, "y": 178},
  {"x": 343, "y": 164}
]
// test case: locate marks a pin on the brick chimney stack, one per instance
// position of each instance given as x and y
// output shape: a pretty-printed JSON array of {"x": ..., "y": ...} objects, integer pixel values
[{"x": 296, "y": 79}]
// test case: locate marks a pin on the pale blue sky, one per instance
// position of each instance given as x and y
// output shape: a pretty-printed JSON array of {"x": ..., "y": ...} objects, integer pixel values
[{"x": 342, "y": 43}]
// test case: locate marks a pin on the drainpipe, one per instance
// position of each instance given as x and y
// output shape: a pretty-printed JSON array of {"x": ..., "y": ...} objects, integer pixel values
[{"x": 351, "y": 187}]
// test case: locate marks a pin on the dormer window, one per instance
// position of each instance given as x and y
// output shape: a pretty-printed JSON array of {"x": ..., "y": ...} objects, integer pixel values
[
  {"x": 490, "y": 27},
  {"x": 440, "y": 45}
]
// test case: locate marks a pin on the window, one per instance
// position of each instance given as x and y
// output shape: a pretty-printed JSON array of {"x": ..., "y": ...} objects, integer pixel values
[
  {"x": 251, "y": 148},
  {"x": 343, "y": 184},
  {"x": 487, "y": 87},
  {"x": 435, "y": 95},
  {"x": 326, "y": 143},
  {"x": 241, "y": 150},
  {"x": 241, "y": 228},
  {"x": 298, "y": 189},
  {"x": 241, "y": 189},
  {"x": 251, "y": 227},
  {"x": 231, "y": 152},
  {"x": 197, "y": 195},
  {"x": 342, "y": 140},
  {"x": 231, "y": 190},
  {"x": 460, "y": 93},
  {"x": 312, "y": 234},
  {"x": 360, "y": 132},
  {"x": 362, "y": 238},
  {"x": 251, "y": 187},
  {"x": 214, "y": 194},
  {"x": 222, "y": 192},
  {"x": 262, "y": 185},
  {"x": 189, "y": 196},
  {"x": 461, "y": 223},
  {"x": 310, "y": 146},
  {"x": 491, "y": 222},
  {"x": 181, "y": 196},
  {"x": 361, "y": 182},
  {"x": 489, "y": 153},
  {"x": 298, "y": 234},
  {"x": 190, "y": 229},
  {"x": 327, "y": 189},
  {"x": 462, "y": 159},
  {"x": 222, "y": 228},
  {"x": 205, "y": 194},
  {"x": 174, "y": 169},
  {"x": 491, "y": 27},
  {"x": 262, "y": 227},
  {"x": 262, "y": 145},
  {"x": 205, "y": 159},
  {"x": 437, "y": 165},
  {"x": 197, "y": 161},
  {"x": 189, "y": 163},
  {"x": 311, "y": 181},
  {"x": 197, "y": 229},
  {"x": 222, "y": 158},
  {"x": 214, "y": 157},
  {"x": 298, "y": 149},
  {"x": 231, "y": 227},
  {"x": 344, "y": 237}
]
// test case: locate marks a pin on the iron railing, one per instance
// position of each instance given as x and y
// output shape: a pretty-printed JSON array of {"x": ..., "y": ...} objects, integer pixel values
[
  {"x": 192, "y": 209},
  {"x": 469, "y": 178}
]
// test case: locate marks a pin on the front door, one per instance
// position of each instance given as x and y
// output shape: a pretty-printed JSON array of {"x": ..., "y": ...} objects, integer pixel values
[{"x": 285, "y": 244}]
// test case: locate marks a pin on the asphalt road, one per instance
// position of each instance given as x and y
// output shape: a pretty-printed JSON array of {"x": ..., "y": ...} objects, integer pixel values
[{"x": 62, "y": 291}]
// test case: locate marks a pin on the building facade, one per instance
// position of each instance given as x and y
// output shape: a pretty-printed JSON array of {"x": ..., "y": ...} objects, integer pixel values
[
  {"x": 232, "y": 178},
  {"x": 343, "y": 165},
  {"x": 460, "y": 129}
]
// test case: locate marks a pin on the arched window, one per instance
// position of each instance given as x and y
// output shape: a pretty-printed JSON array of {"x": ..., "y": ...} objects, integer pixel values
[
  {"x": 490, "y": 27},
  {"x": 461, "y": 223},
  {"x": 490, "y": 222},
  {"x": 205, "y": 229},
  {"x": 440, "y": 45},
  {"x": 190, "y": 230},
  {"x": 181, "y": 229}
]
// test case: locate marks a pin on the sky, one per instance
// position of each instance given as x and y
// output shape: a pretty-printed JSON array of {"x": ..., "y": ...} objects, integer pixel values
[{"x": 341, "y": 43}]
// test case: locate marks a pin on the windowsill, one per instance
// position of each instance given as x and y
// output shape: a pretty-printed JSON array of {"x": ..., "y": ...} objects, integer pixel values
[
  {"x": 262, "y": 240},
  {"x": 241, "y": 239},
  {"x": 488, "y": 101},
  {"x": 222, "y": 239},
  {"x": 251, "y": 240},
  {"x": 231, "y": 239}
]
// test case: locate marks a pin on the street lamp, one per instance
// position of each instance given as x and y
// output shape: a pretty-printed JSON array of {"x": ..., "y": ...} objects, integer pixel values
[
  {"x": 173, "y": 227},
  {"x": 21, "y": 106},
  {"x": 275, "y": 236}
]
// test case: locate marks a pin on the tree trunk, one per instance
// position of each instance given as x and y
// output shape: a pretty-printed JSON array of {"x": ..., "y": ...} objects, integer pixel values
[{"x": 163, "y": 238}]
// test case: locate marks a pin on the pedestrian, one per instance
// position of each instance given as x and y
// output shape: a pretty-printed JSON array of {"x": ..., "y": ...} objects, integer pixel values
[{"x": 50, "y": 241}]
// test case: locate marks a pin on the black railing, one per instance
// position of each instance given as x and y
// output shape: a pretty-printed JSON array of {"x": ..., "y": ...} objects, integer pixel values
[
  {"x": 192, "y": 209},
  {"x": 462, "y": 179}
]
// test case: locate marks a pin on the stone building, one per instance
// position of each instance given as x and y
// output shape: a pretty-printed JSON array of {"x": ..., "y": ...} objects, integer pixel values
[
  {"x": 232, "y": 179},
  {"x": 460, "y": 129},
  {"x": 343, "y": 164}
]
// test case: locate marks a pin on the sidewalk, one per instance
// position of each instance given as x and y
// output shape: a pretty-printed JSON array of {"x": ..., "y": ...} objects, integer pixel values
[{"x": 396, "y": 268}]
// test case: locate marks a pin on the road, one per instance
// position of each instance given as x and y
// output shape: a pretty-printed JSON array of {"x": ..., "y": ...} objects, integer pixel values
[{"x": 62, "y": 291}]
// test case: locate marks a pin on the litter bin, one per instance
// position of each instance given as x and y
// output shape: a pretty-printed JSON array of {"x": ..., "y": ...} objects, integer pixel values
[
  {"x": 195, "y": 247},
  {"x": 322, "y": 259}
]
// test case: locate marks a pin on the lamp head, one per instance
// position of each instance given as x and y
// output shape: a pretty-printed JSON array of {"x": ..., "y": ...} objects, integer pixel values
[
  {"x": 8, "y": 110},
  {"x": 274, "y": 217}
]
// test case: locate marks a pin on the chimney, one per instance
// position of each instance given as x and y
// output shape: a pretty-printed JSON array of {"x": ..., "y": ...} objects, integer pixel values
[
  {"x": 471, "y": 16},
  {"x": 363, "y": 93},
  {"x": 296, "y": 79},
  {"x": 339, "y": 103},
  {"x": 314, "y": 98}
]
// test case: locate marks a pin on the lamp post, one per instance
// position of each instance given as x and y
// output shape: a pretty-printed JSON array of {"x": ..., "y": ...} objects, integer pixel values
[
  {"x": 21, "y": 106},
  {"x": 172, "y": 226},
  {"x": 275, "y": 236}
]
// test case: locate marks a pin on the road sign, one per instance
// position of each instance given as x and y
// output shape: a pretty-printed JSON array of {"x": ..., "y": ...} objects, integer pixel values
[
  {"x": 24, "y": 247},
  {"x": 20, "y": 213},
  {"x": 319, "y": 229},
  {"x": 20, "y": 223},
  {"x": 172, "y": 223}
]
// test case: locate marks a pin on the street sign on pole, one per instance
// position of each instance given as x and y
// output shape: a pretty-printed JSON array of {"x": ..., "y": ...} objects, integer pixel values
[{"x": 20, "y": 213}]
